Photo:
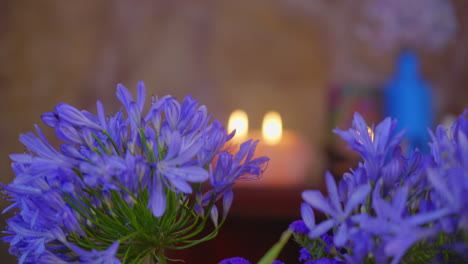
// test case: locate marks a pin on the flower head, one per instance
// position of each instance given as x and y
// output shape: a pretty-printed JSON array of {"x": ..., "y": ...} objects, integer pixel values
[
  {"x": 299, "y": 227},
  {"x": 235, "y": 260},
  {"x": 374, "y": 145},
  {"x": 304, "y": 254},
  {"x": 333, "y": 207},
  {"x": 325, "y": 261},
  {"x": 124, "y": 186},
  {"x": 448, "y": 174},
  {"x": 393, "y": 206}
]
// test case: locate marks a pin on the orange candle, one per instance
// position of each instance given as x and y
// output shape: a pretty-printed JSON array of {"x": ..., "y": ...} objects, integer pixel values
[{"x": 288, "y": 151}]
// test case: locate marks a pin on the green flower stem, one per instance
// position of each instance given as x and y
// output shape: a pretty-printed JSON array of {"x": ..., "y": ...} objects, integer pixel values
[
  {"x": 149, "y": 151},
  {"x": 108, "y": 152},
  {"x": 195, "y": 232},
  {"x": 190, "y": 243},
  {"x": 159, "y": 257},
  {"x": 273, "y": 253},
  {"x": 112, "y": 141}
]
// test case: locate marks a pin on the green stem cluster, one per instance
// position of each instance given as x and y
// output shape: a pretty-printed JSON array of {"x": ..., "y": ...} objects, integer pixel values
[
  {"x": 106, "y": 216},
  {"x": 141, "y": 235}
]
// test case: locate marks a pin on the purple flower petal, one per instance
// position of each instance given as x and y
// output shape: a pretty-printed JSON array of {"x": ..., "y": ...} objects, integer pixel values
[
  {"x": 75, "y": 117},
  {"x": 157, "y": 202},
  {"x": 333, "y": 192},
  {"x": 341, "y": 237},
  {"x": 227, "y": 202},
  {"x": 322, "y": 228},
  {"x": 308, "y": 216},
  {"x": 358, "y": 197},
  {"x": 141, "y": 95},
  {"x": 316, "y": 199}
]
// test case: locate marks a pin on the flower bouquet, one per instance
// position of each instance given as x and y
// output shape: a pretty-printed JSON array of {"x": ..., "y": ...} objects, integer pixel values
[{"x": 126, "y": 188}]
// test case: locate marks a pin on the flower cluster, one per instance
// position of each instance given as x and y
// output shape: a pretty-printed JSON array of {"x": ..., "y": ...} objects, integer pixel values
[
  {"x": 392, "y": 208},
  {"x": 123, "y": 188},
  {"x": 239, "y": 260}
]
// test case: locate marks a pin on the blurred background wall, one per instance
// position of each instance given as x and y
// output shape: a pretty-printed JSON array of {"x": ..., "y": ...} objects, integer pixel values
[{"x": 283, "y": 55}]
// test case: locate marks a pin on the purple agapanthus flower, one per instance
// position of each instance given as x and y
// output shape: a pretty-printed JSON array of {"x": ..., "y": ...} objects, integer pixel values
[
  {"x": 139, "y": 171},
  {"x": 299, "y": 227},
  {"x": 392, "y": 203},
  {"x": 231, "y": 168},
  {"x": 304, "y": 255},
  {"x": 339, "y": 216},
  {"x": 235, "y": 260},
  {"x": 239, "y": 260},
  {"x": 107, "y": 256},
  {"x": 374, "y": 144},
  {"x": 398, "y": 230},
  {"x": 328, "y": 242},
  {"x": 325, "y": 261},
  {"x": 448, "y": 175}
]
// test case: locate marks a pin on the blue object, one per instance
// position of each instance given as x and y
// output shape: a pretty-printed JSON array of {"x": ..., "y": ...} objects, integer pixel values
[{"x": 408, "y": 98}]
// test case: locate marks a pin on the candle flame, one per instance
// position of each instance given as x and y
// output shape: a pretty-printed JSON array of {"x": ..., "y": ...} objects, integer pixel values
[
  {"x": 272, "y": 129},
  {"x": 239, "y": 121}
]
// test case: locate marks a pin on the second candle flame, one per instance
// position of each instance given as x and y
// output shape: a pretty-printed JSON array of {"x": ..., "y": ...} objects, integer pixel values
[{"x": 272, "y": 128}]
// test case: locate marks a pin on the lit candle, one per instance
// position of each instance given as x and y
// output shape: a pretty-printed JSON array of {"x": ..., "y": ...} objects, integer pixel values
[
  {"x": 272, "y": 128},
  {"x": 239, "y": 121},
  {"x": 288, "y": 151}
]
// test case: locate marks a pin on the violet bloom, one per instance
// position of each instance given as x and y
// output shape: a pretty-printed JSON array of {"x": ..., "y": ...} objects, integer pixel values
[
  {"x": 235, "y": 260},
  {"x": 448, "y": 175},
  {"x": 98, "y": 257},
  {"x": 325, "y": 261},
  {"x": 328, "y": 242},
  {"x": 339, "y": 216},
  {"x": 176, "y": 171},
  {"x": 374, "y": 144},
  {"x": 304, "y": 254},
  {"x": 231, "y": 168},
  {"x": 398, "y": 230},
  {"x": 299, "y": 227},
  {"x": 415, "y": 201}
]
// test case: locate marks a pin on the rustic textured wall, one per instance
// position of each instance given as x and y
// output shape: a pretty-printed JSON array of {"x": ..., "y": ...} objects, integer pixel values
[
  {"x": 256, "y": 55},
  {"x": 226, "y": 54}
]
